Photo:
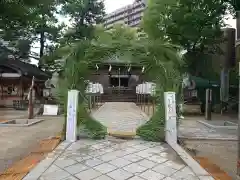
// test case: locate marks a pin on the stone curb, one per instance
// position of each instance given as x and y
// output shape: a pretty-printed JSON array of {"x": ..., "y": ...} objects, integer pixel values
[
  {"x": 196, "y": 168},
  {"x": 206, "y": 138},
  {"x": 47, "y": 162},
  {"x": 235, "y": 127},
  {"x": 5, "y": 124}
]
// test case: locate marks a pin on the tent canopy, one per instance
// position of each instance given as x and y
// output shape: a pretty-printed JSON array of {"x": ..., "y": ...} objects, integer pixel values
[{"x": 204, "y": 83}]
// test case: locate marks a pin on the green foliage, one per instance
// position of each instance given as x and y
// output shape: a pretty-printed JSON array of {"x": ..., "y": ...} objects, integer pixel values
[
  {"x": 84, "y": 14},
  {"x": 14, "y": 19},
  {"x": 24, "y": 22},
  {"x": 154, "y": 129},
  {"x": 45, "y": 29},
  {"x": 76, "y": 71},
  {"x": 235, "y": 4},
  {"x": 192, "y": 24},
  {"x": 168, "y": 80},
  {"x": 162, "y": 62},
  {"x": 151, "y": 131},
  {"x": 16, "y": 13},
  {"x": 94, "y": 128}
]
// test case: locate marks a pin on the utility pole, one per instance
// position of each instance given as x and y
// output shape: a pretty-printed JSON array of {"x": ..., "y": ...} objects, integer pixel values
[
  {"x": 237, "y": 47},
  {"x": 238, "y": 162}
]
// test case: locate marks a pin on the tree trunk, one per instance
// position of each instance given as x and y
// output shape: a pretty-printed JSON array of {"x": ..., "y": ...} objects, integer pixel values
[
  {"x": 42, "y": 45},
  {"x": 42, "y": 40}
]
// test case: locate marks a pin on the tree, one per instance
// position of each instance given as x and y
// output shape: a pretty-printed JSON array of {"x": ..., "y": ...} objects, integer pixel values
[
  {"x": 30, "y": 21},
  {"x": 84, "y": 14},
  {"x": 235, "y": 4},
  {"x": 45, "y": 28},
  {"x": 13, "y": 13},
  {"x": 15, "y": 18},
  {"x": 195, "y": 25}
]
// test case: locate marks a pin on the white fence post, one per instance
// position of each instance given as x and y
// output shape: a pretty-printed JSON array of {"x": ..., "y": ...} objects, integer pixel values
[
  {"x": 71, "y": 129},
  {"x": 171, "y": 117}
]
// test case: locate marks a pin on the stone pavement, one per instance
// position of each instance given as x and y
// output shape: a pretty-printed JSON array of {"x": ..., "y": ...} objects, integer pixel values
[
  {"x": 113, "y": 159},
  {"x": 120, "y": 116},
  {"x": 191, "y": 129}
]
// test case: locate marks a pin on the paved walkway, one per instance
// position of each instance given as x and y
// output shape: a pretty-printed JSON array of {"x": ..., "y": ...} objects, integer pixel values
[
  {"x": 113, "y": 159},
  {"x": 120, "y": 116}
]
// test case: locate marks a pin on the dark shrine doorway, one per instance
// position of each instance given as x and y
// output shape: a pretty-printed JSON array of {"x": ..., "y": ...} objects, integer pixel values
[{"x": 119, "y": 81}]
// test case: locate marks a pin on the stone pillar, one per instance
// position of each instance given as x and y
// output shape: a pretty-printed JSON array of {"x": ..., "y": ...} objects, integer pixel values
[
  {"x": 72, "y": 109},
  {"x": 171, "y": 117}
]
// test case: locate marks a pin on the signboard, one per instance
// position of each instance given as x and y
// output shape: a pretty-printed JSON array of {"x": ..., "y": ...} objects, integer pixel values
[
  {"x": 171, "y": 117},
  {"x": 71, "y": 130},
  {"x": 50, "y": 110}
]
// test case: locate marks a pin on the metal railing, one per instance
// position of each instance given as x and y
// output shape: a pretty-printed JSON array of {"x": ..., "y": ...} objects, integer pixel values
[
  {"x": 146, "y": 103},
  {"x": 145, "y": 97},
  {"x": 94, "y": 101}
]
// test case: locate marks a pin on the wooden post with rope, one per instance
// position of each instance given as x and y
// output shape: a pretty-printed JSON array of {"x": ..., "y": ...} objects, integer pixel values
[{"x": 30, "y": 100}]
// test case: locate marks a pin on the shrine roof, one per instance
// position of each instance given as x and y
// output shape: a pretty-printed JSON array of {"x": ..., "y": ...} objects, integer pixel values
[{"x": 26, "y": 69}]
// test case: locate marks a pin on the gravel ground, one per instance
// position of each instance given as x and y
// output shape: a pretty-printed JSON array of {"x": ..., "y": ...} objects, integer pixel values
[
  {"x": 17, "y": 142},
  {"x": 221, "y": 153}
]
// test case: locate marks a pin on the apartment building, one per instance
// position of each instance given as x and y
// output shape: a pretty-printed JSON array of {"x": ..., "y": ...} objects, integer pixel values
[{"x": 130, "y": 15}]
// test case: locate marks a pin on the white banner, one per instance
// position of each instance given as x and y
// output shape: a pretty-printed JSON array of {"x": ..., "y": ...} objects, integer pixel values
[
  {"x": 171, "y": 117},
  {"x": 71, "y": 130}
]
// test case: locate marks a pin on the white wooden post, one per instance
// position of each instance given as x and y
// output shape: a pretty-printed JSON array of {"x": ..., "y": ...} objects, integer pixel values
[
  {"x": 71, "y": 129},
  {"x": 171, "y": 117}
]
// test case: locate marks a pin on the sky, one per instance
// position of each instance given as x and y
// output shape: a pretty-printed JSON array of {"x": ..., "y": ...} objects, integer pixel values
[{"x": 112, "y": 5}]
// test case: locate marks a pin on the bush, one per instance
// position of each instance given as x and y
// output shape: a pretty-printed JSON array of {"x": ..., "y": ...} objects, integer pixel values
[
  {"x": 153, "y": 130},
  {"x": 95, "y": 129}
]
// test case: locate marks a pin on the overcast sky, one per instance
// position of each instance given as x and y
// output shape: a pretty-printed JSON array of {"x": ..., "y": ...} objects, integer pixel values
[{"x": 112, "y": 5}]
